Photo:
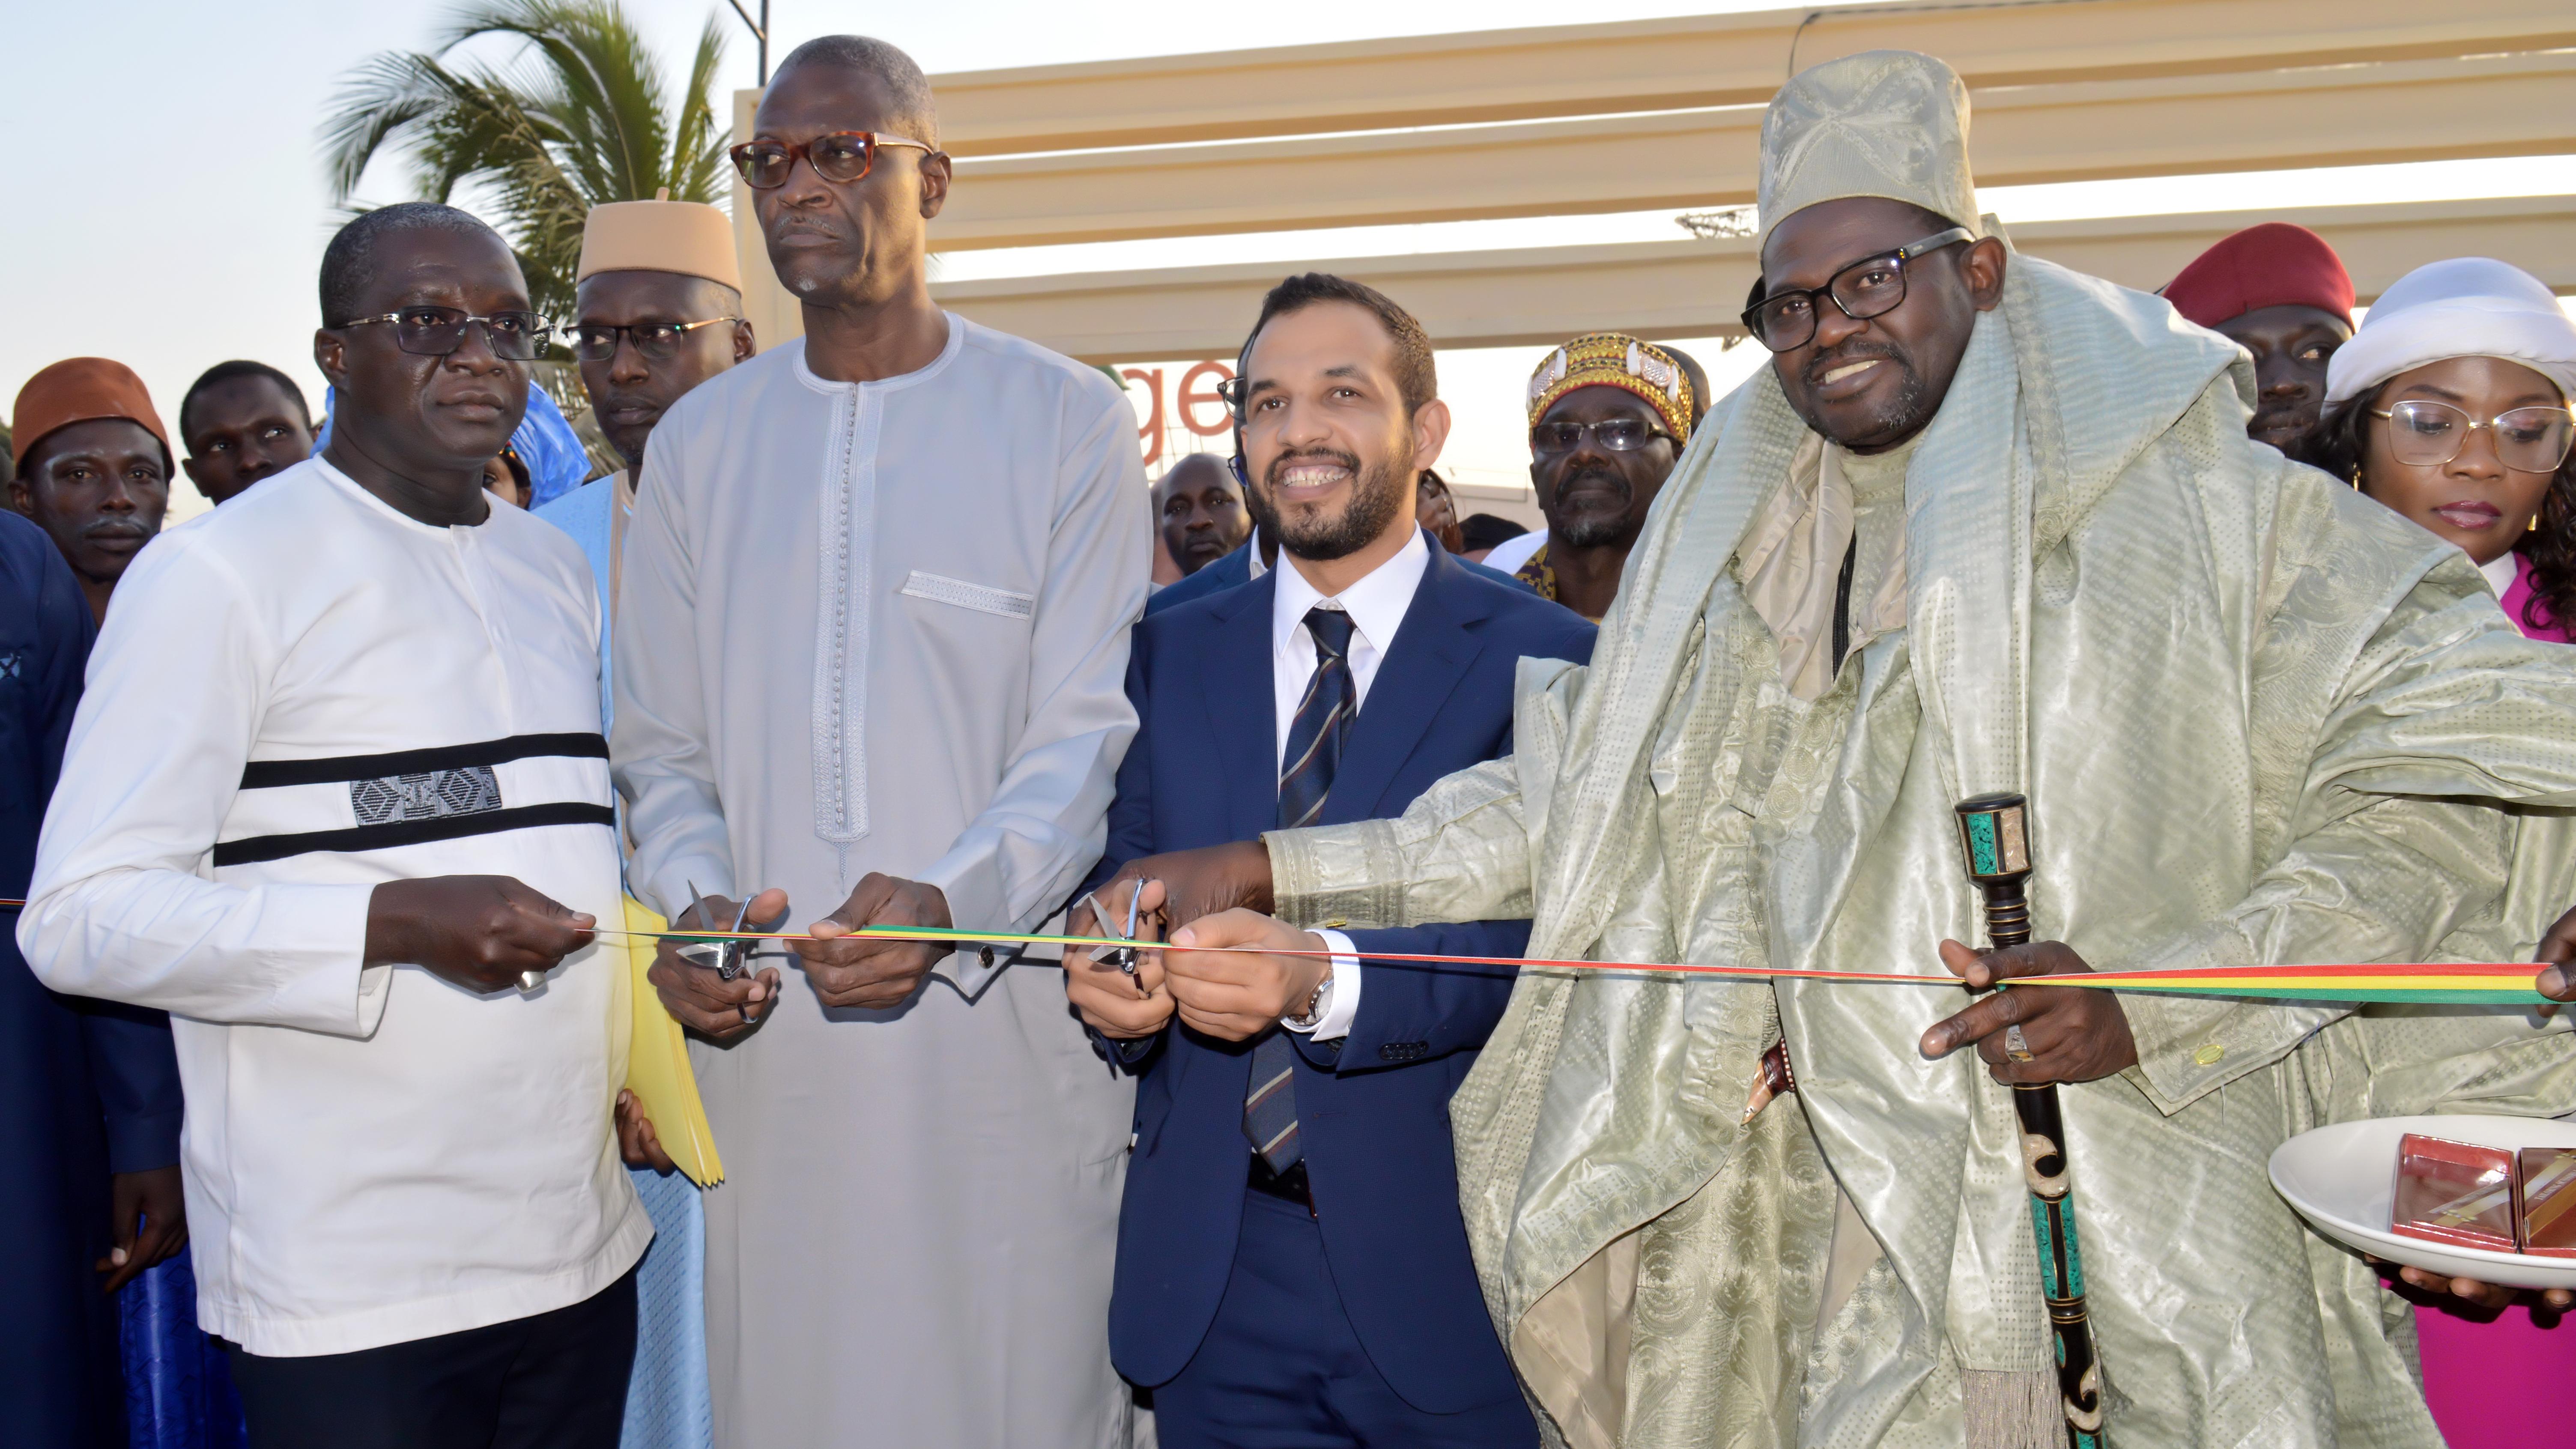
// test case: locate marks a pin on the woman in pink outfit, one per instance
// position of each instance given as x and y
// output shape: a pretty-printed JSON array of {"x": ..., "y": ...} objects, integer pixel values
[{"x": 2450, "y": 405}]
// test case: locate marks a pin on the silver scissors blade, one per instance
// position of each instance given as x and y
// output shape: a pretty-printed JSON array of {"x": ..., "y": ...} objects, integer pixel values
[
  {"x": 1127, "y": 957},
  {"x": 1124, "y": 957},
  {"x": 727, "y": 958}
]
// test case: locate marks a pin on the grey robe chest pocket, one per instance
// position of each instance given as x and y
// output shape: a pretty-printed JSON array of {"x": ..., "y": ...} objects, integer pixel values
[{"x": 982, "y": 598}]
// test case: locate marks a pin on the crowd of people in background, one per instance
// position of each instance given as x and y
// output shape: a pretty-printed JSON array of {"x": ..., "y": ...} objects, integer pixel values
[{"x": 337, "y": 840}]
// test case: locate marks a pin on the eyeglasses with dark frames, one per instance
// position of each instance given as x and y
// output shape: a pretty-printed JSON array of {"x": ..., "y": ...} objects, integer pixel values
[
  {"x": 840, "y": 157},
  {"x": 438, "y": 331},
  {"x": 2428, "y": 434},
  {"x": 1618, "y": 435},
  {"x": 1871, "y": 287},
  {"x": 659, "y": 341}
]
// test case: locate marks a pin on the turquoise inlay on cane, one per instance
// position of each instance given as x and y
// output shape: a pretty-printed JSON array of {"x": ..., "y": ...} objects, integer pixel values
[{"x": 1985, "y": 852}]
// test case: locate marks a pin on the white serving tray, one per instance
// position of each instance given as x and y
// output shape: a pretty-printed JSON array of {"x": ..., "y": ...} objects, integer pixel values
[{"x": 2343, "y": 1179}]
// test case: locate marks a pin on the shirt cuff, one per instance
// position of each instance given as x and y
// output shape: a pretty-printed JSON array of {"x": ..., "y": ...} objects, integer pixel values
[
  {"x": 1344, "y": 1007},
  {"x": 668, "y": 891},
  {"x": 313, "y": 955}
]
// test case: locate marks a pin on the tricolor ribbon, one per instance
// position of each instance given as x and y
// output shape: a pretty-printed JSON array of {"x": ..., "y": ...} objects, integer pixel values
[
  {"x": 2475, "y": 983},
  {"x": 2493, "y": 983}
]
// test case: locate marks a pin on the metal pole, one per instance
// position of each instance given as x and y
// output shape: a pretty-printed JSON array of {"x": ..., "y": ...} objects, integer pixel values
[
  {"x": 1995, "y": 831},
  {"x": 759, "y": 33}
]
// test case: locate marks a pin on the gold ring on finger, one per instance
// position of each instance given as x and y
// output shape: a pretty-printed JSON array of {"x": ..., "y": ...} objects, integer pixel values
[{"x": 2016, "y": 1046}]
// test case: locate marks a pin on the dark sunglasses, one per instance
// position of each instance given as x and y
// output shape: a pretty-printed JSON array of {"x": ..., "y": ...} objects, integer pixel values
[
  {"x": 438, "y": 331},
  {"x": 1872, "y": 287},
  {"x": 659, "y": 341},
  {"x": 839, "y": 156}
]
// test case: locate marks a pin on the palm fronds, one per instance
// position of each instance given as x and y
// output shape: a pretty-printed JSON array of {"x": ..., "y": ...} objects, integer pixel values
[{"x": 581, "y": 115}]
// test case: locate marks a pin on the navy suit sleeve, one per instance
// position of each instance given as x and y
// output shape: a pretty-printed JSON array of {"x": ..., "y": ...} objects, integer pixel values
[
  {"x": 1131, "y": 810},
  {"x": 1414, "y": 1011},
  {"x": 1421, "y": 1011},
  {"x": 131, "y": 1061},
  {"x": 1131, "y": 829}
]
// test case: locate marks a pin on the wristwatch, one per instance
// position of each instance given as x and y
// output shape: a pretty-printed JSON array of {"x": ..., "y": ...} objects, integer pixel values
[{"x": 1315, "y": 1005}]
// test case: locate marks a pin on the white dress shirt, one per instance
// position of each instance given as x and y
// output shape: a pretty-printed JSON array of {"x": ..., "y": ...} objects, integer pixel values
[
  {"x": 2500, "y": 571},
  {"x": 297, "y": 698},
  {"x": 1377, "y": 605}
]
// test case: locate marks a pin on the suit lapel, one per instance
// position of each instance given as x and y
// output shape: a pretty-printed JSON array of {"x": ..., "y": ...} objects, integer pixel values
[
  {"x": 1235, "y": 684},
  {"x": 1431, "y": 654}
]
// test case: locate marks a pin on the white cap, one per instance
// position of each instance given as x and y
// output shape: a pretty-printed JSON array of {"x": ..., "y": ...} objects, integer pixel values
[{"x": 2463, "y": 307}]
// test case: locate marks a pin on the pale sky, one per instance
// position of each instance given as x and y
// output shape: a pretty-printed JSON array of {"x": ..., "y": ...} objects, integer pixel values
[{"x": 168, "y": 210}]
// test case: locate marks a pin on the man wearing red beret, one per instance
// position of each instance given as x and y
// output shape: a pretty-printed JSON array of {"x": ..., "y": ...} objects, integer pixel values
[
  {"x": 92, "y": 467},
  {"x": 2281, "y": 293}
]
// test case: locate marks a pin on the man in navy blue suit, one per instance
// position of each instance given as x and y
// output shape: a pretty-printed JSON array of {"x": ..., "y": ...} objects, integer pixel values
[{"x": 1292, "y": 1268}]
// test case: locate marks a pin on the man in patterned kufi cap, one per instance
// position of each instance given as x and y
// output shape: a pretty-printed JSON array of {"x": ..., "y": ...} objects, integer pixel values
[
  {"x": 1609, "y": 416},
  {"x": 1985, "y": 525}
]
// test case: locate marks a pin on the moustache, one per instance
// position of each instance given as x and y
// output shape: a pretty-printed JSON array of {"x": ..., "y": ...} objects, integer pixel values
[
  {"x": 1852, "y": 351},
  {"x": 801, "y": 223},
  {"x": 1594, "y": 473}
]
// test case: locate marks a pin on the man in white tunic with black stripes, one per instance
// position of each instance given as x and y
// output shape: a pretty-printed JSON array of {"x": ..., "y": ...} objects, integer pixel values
[
  {"x": 870, "y": 667},
  {"x": 337, "y": 799}
]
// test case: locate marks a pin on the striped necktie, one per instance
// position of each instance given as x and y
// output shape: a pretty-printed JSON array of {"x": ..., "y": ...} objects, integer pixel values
[
  {"x": 1322, "y": 722},
  {"x": 1315, "y": 737}
]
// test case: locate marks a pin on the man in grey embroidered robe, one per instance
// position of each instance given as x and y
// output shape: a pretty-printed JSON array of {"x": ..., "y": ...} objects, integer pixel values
[
  {"x": 2231, "y": 692},
  {"x": 871, "y": 662}
]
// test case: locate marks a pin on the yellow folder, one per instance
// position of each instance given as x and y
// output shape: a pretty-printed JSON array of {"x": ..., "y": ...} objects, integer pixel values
[{"x": 657, "y": 1061}]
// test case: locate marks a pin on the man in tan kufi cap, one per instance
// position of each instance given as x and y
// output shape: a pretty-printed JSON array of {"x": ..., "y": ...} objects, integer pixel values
[
  {"x": 1984, "y": 525},
  {"x": 657, "y": 310}
]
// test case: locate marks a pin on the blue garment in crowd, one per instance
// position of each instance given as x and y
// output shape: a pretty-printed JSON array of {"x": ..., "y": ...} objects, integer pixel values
[
  {"x": 667, "y": 1404},
  {"x": 91, "y": 1088},
  {"x": 178, "y": 1382}
]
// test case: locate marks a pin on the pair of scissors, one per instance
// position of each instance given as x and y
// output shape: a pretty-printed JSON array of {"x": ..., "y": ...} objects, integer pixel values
[
  {"x": 728, "y": 959},
  {"x": 1124, "y": 958}
]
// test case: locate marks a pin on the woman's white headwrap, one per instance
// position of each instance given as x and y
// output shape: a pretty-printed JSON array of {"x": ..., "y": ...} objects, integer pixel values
[{"x": 2463, "y": 307}]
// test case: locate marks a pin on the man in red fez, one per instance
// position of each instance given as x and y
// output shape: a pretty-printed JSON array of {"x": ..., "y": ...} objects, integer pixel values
[
  {"x": 92, "y": 467},
  {"x": 2281, "y": 293}
]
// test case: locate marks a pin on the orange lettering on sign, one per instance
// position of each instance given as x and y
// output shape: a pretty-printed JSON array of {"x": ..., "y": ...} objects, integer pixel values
[
  {"x": 1152, "y": 431},
  {"x": 1192, "y": 399}
]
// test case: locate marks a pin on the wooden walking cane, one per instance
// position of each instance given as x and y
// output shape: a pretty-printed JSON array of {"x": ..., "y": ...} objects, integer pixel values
[{"x": 1995, "y": 831}]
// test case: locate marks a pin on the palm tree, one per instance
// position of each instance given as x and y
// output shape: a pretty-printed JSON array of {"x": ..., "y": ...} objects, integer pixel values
[{"x": 579, "y": 117}]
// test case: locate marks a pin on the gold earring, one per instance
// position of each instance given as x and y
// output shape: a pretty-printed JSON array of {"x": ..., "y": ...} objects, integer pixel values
[{"x": 2535, "y": 524}]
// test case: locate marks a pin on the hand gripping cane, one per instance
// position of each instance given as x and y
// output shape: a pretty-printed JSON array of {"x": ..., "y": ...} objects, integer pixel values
[{"x": 1995, "y": 831}]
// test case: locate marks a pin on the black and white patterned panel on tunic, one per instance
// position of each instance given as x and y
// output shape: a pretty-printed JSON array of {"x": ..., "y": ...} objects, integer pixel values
[{"x": 436, "y": 795}]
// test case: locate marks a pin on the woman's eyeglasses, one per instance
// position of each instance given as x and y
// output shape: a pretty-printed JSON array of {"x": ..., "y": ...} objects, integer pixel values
[
  {"x": 2527, "y": 440},
  {"x": 438, "y": 331},
  {"x": 840, "y": 157},
  {"x": 1619, "y": 435},
  {"x": 1869, "y": 288},
  {"x": 659, "y": 341}
]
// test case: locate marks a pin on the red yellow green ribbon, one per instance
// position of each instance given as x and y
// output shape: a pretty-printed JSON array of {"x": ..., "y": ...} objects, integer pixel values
[
  {"x": 2475, "y": 983},
  {"x": 2463, "y": 984}
]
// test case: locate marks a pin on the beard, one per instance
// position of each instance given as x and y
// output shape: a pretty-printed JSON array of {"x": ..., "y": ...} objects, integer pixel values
[
  {"x": 1596, "y": 525},
  {"x": 1906, "y": 411},
  {"x": 1376, "y": 497}
]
